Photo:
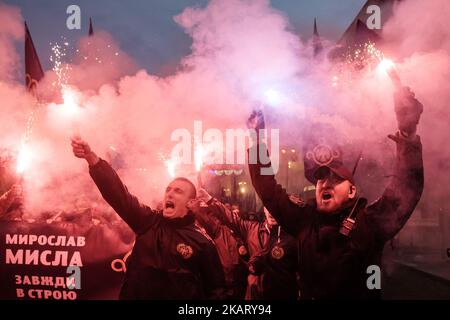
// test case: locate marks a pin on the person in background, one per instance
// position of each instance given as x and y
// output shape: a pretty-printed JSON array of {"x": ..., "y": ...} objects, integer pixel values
[
  {"x": 232, "y": 251},
  {"x": 273, "y": 276}
]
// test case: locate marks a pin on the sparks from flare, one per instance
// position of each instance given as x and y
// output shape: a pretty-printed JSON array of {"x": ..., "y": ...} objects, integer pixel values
[
  {"x": 61, "y": 70},
  {"x": 360, "y": 57},
  {"x": 71, "y": 105},
  {"x": 24, "y": 154},
  {"x": 366, "y": 54}
]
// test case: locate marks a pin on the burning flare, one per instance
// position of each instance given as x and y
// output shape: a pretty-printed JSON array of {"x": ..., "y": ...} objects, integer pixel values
[
  {"x": 388, "y": 67},
  {"x": 171, "y": 167},
  {"x": 198, "y": 157},
  {"x": 23, "y": 159}
]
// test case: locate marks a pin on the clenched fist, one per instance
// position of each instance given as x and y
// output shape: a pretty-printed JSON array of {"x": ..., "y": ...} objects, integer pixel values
[
  {"x": 82, "y": 150},
  {"x": 408, "y": 111},
  {"x": 256, "y": 120}
]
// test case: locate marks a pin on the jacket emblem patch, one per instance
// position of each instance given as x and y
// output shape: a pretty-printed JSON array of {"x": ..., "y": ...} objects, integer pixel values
[{"x": 184, "y": 250}]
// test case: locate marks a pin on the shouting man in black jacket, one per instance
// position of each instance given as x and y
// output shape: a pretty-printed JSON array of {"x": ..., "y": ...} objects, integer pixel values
[
  {"x": 339, "y": 236},
  {"x": 172, "y": 258}
]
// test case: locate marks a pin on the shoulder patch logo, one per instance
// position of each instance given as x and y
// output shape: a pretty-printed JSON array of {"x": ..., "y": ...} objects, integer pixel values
[
  {"x": 184, "y": 250},
  {"x": 242, "y": 250},
  {"x": 277, "y": 252}
]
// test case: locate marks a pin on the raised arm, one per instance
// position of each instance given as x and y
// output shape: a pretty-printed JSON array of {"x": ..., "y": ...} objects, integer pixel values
[
  {"x": 291, "y": 215},
  {"x": 390, "y": 213},
  {"x": 136, "y": 215},
  {"x": 206, "y": 205},
  {"x": 230, "y": 219}
]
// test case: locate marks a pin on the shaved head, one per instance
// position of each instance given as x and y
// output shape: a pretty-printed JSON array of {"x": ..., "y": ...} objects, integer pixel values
[{"x": 193, "y": 193}]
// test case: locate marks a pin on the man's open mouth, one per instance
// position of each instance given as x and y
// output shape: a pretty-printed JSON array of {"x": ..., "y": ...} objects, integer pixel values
[
  {"x": 326, "y": 195},
  {"x": 169, "y": 204}
]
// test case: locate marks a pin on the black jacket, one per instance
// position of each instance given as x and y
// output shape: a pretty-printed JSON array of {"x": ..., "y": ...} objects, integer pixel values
[
  {"x": 332, "y": 265},
  {"x": 231, "y": 250},
  {"x": 275, "y": 276},
  {"x": 171, "y": 259}
]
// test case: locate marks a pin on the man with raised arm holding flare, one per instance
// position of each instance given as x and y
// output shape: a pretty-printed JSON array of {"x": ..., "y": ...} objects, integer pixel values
[
  {"x": 339, "y": 235},
  {"x": 172, "y": 258}
]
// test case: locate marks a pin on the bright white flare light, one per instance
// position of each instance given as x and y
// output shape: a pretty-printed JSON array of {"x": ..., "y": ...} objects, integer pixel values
[
  {"x": 198, "y": 157},
  {"x": 23, "y": 159},
  {"x": 385, "y": 65},
  {"x": 171, "y": 166},
  {"x": 71, "y": 99},
  {"x": 272, "y": 96}
]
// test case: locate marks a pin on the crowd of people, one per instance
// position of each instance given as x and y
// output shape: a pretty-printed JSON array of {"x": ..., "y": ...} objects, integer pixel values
[{"x": 194, "y": 246}]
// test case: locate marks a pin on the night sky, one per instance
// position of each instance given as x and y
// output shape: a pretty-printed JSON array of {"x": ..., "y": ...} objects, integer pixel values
[{"x": 145, "y": 29}]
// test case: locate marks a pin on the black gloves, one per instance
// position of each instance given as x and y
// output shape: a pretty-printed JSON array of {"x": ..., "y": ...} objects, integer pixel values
[
  {"x": 256, "y": 120},
  {"x": 408, "y": 110}
]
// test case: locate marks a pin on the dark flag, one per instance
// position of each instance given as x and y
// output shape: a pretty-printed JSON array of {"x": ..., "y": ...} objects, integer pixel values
[
  {"x": 317, "y": 44},
  {"x": 33, "y": 68},
  {"x": 91, "y": 29}
]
